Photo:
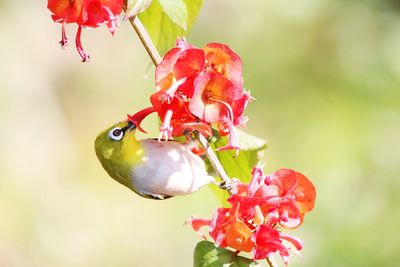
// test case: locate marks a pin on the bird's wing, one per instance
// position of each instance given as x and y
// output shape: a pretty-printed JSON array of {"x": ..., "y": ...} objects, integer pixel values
[{"x": 170, "y": 169}]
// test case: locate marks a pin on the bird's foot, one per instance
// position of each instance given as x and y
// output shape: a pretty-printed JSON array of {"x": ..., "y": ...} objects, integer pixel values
[
  {"x": 154, "y": 196},
  {"x": 230, "y": 185}
]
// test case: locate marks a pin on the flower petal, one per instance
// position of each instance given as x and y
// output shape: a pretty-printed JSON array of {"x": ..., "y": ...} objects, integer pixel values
[
  {"x": 85, "y": 56},
  {"x": 190, "y": 63},
  {"x": 208, "y": 88},
  {"x": 238, "y": 236},
  {"x": 304, "y": 193},
  {"x": 223, "y": 60},
  {"x": 65, "y": 11},
  {"x": 197, "y": 224}
]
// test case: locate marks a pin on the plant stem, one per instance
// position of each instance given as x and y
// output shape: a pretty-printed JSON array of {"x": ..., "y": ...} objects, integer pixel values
[
  {"x": 271, "y": 262},
  {"x": 156, "y": 58},
  {"x": 215, "y": 162},
  {"x": 145, "y": 39}
]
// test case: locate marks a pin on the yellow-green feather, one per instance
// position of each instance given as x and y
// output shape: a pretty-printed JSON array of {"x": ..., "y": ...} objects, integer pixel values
[{"x": 119, "y": 157}]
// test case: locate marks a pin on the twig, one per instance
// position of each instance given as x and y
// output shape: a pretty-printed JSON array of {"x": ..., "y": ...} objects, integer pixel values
[
  {"x": 271, "y": 262},
  {"x": 145, "y": 39},
  {"x": 215, "y": 163},
  {"x": 156, "y": 58}
]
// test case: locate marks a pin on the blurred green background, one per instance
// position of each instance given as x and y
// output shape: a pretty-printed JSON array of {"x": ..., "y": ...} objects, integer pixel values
[{"x": 326, "y": 75}]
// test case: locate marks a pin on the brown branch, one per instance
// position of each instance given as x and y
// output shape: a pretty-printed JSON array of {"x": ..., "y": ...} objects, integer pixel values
[
  {"x": 271, "y": 262},
  {"x": 226, "y": 181},
  {"x": 145, "y": 39}
]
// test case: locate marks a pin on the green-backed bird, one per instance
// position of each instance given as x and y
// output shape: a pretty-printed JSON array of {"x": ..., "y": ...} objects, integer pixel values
[{"x": 150, "y": 168}]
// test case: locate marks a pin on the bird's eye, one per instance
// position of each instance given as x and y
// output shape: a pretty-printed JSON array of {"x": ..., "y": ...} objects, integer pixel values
[{"x": 116, "y": 134}]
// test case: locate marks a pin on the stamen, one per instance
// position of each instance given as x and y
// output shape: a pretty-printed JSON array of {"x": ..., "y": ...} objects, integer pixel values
[
  {"x": 85, "y": 57},
  {"x": 297, "y": 243},
  {"x": 166, "y": 128},
  {"x": 64, "y": 39},
  {"x": 285, "y": 216},
  {"x": 181, "y": 43},
  {"x": 112, "y": 20},
  {"x": 226, "y": 105},
  {"x": 272, "y": 218},
  {"x": 259, "y": 216},
  {"x": 257, "y": 175},
  {"x": 233, "y": 142},
  {"x": 197, "y": 224},
  {"x": 170, "y": 92}
]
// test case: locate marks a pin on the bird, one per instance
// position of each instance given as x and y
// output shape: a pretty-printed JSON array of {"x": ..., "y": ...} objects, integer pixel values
[{"x": 151, "y": 168}]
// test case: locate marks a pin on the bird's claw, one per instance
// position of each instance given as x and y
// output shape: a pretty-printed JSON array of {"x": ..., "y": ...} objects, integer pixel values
[{"x": 230, "y": 185}]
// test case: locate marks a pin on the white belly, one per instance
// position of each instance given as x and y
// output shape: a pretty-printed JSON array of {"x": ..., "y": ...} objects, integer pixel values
[{"x": 169, "y": 169}]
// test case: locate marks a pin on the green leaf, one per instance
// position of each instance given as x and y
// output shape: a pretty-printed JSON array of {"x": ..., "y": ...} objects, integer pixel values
[
  {"x": 165, "y": 20},
  {"x": 134, "y": 7},
  {"x": 206, "y": 254},
  {"x": 240, "y": 167},
  {"x": 176, "y": 10}
]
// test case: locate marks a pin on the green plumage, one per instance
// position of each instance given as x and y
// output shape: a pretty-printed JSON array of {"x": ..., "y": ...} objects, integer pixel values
[{"x": 118, "y": 157}]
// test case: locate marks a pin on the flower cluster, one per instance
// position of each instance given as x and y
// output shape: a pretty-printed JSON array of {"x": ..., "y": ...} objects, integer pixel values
[
  {"x": 85, "y": 13},
  {"x": 197, "y": 88},
  {"x": 258, "y": 209}
]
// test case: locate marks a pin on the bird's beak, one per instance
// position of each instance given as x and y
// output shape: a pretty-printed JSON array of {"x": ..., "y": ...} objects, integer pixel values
[{"x": 130, "y": 127}]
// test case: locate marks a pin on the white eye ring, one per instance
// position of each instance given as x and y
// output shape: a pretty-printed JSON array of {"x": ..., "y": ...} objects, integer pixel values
[{"x": 116, "y": 133}]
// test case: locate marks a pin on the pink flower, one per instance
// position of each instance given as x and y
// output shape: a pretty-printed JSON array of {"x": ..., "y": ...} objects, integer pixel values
[
  {"x": 250, "y": 224},
  {"x": 296, "y": 195},
  {"x": 268, "y": 240},
  {"x": 197, "y": 88}
]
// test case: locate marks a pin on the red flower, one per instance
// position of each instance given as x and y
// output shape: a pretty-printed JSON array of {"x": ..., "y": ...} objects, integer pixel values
[
  {"x": 217, "y": 99},
  {"x": 182, "y": 61},
  {"x": 175, "y": 76},
  {"x": 269, "y": 240},
  {"x": 286, "y": 193},
  {"x": 86, "y": 13},
  {"x": 222, "y": 59},
  {"x": 238, "y": 236},
  {"x": 199, "y": 87},
  {"x": 96, "y": 12},
  {"x": 227, "y": 229},
  {"x": 296, "y": 195},
  {"x": 212, "y": 98},
  {"x": 65, "y": 11},
  {"x": 250, "y": 223}
]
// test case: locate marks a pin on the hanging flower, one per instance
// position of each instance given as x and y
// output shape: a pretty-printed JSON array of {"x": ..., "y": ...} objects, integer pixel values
[{"x": 85, "y": 13}]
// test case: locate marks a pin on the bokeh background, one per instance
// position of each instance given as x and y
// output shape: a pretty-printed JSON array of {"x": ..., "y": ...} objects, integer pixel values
[{"x": 326, "y": 75}]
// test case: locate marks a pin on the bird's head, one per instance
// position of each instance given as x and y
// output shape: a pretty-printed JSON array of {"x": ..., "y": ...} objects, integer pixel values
[{"x": 119, "y": 151}]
